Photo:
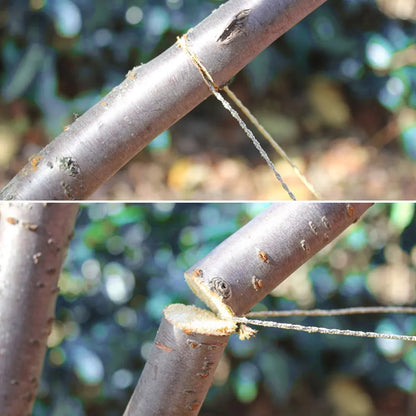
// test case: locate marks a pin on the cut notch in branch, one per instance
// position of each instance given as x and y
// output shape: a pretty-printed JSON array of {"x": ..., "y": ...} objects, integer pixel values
[
  {"x": 210, "y": 298},
  {"x": 180, "y": 367},
  {"x": 191, "y": 319},
  {"x": 213, "y": 301}
]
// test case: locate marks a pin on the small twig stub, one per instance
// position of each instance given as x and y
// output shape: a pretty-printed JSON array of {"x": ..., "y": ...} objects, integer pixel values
[{"x": 235, "y": 27}]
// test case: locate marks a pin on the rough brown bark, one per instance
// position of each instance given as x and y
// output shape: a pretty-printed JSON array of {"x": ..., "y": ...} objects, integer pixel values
[
  {"x": 33, "y": 238},
  {"x": 253, "y": 261},
  {"x": 152, "y": 98}
]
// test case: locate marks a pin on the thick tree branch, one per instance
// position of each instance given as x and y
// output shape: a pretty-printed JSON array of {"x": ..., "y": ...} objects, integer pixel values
[
  {"x": 233, "y": 277},
  {"x": 181, "y": 365},
  {"x": 152, "y": 98},
  {"x": 249, "y": 264},
  {"x": 33, "y": 240}
]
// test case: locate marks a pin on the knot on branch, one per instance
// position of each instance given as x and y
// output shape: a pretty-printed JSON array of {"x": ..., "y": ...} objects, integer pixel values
[{"x": 220, "y": 287}]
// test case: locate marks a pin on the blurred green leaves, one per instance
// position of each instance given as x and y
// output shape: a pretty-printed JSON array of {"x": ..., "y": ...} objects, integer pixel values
[
  {"x": 401, "y": 215},
  {"x": 112, "y": 300}
]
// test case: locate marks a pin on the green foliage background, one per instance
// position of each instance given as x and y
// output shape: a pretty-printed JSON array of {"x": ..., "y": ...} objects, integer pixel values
[{"x": 126, "y": 263}]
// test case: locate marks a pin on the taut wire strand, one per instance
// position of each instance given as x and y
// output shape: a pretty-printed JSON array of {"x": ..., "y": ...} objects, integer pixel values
[
  {"x": 182, "y": 43},
  {"x": 272, "y": 141},
  {"x": 334, "y": 312},
  {"x": 321, "y": 330}
]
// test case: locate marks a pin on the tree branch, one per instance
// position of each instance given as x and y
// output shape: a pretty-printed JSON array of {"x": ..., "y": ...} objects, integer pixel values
[
  {"x": 269, "y": 248},
  {"x": 181, "y": 365},
  {"x": 33, "y": 240},
  {"x": 249, "y": 264},
  {"x": 152, "y": 98}
]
